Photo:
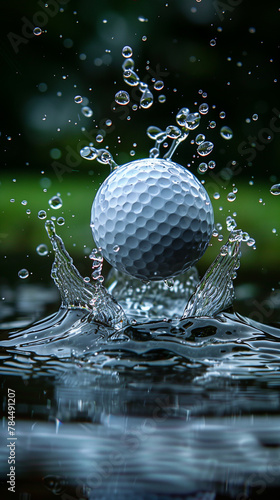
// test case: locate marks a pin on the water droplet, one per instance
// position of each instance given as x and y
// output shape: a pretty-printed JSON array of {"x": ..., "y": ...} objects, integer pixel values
[
  {"x": 122, "y": 97},
  {"x": 251, "y": 242},
  {"x": 193, "y": 120},
  {"x": 87, "y": 111},
  {"x": 143, "y": 86},
  {"x": 60, "y": 221},
  {"x": 99, "y": 138},
  {"x": 205, "y": 148},
  {"x": 216, "y": 196},
  {"x": 153, "y": 132},
  {"x": 226, "y": 133},
  {"x": 78, "y": 99},
  {"x": 127, "y": 51},
  {"x": 203, "y": 108},
  {"x": 55, "y": 202},
  {"x": 275, "y": 189},
  {"x": 108, "y": 123},
  {"x": 212, "y": 124},
  {"x": 231, "y": 197},
  {"x": 255, "y": 117},
  {"x": 161, "y": 98},
  {"x": 211, "y": 164},
  {"x": 42, "y": 250},
  {"x": 89, "y": 153},
  {"x": 222, "y": 114},
  {"x": 144, "y": 38},
  {"x": 116, "y": 248},
  {"x": 24, "y": 202},
  {"x": 158, "y": 85},
  {"x": 23, "y": 274},
  {"x": 199, "y": 139},
  {"x": 147, "y": 99},
  {"x": 128, "y": 64},
  {"x": 212, "y": 42},
  {"x": 37, "y": 31},
  {"x": 173, "y": 132},
  {"x": 42, "y": 214},
  {"x": 131, "y": 78},
  {"x": 143, "y": 19},
  {"x": 203, "y": 167}
]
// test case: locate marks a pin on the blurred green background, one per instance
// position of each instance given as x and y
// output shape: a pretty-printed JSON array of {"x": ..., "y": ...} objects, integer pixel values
[{"x": 224, "y": 49}]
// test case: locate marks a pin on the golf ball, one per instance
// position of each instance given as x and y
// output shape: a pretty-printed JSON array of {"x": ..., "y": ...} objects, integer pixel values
[{"x": 152, "y": 219}]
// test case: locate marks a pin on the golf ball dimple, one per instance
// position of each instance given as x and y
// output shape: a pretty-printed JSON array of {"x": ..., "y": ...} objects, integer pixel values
[{"x": 157, "y": 214}]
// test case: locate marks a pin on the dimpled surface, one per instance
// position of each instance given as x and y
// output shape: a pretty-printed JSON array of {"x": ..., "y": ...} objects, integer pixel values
[{"x": 152, "y": 218}]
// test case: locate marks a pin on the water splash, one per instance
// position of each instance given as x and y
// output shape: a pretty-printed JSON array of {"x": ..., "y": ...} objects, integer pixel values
[
  {"x": 75, "y": 293},
  {"x": 215, "y": 291}
]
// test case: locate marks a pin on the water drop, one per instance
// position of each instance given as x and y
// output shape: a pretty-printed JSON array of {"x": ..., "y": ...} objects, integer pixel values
[
  {"x": 181, "y": 117},
  {"x": 222, "y": 114},
  {"x": 203, "y": 108},
  {"x": 37, "y": 31},
  {"x": 89, "y": 153},
  {"x": 127, "y": 51},
  {"x": 192, "y": 120},
  {"x": 275, "y": 189},
  {"x": 216, "y": 196},
  {"x": 211, "y": 164},
  {"x": 158, "y": 85},
  {"x": 199, "y": 139},
  {"x": 60, "y": 221},
  {"x": 78, "y": 99},
  {"x": 173, "y": 132},
  {"x": 212, "y": 42},
  {"x": 153, "y": 132},
  {"x": 122, "y": 97},
  {"x": 42, "y": 214},
  {"x": 255, "y": 117},
  {"x": 24, "y": 202},
  {"x": 116, "y": 248},
  {"x": 99, "y": 138},
  {"x": 203, "y": 167},
  {"x": 131, "y": 78},
  {"x": 87, "y": 111},
  {"x": 42, "y": 250},
  {"x": 147, "y": 99},
  {"x": 226, "y": 133},
  {"x": 251, "y": 242},
  {"x": 55, "y": 202},
  {"x": 205, "y": 148},
  {"x": 23, "y": 274},
  {"x": 144, "y": 38},
  {"x": 161, "y": 98},
  {"x": 231, "y": 197},
  {"x": 212, "y": 124},
  {"x": 108, "y": 123},
  {"x": 128, "y": 64}
]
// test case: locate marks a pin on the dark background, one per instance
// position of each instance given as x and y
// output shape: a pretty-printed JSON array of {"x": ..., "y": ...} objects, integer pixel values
[{"x": 80, "y": 54}]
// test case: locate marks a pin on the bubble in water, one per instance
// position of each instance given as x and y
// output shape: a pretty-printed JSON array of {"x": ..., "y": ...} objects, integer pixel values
[
  {"x": 42, "y": 250},
  {"x": 127, "y": 51},
  {"x": 23, "y": 274},
  {"x": 203, "y": 108},
  {"x": 275, "y": 189},
  {"x": 231, "y": 197},
  {"x": 89, "y": 153},
  {"x": 37, "y": 31},
  {"x": 147, "y": 99},
  {"x": 78, "y": 99},
  {"x": 55, "y": 202},
  {"x": 60, "y": 221},
  {"x": 158, "y": 85},
  {"x": 205, "y": 148},
  {"x": 122, "y": 97},
  {"x": 87, "y": 111},
  {"x": 42, "y": 214},
  {"x": 226, "y": 133}
]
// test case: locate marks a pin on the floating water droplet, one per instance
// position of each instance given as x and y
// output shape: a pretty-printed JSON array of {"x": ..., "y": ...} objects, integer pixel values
[
  {"x": 108, "y": 123},
  {"x": 193, "y": 120},
  {"x": 78, "y": 99},
  {"x": 60, "y": 221},
  {"x": 23, "y": 274},
  {"x": 42, "y": 214},
  {"x": 153, "y": 132},
  {"x": 251, "y": 242},
  {"x": 255, "y": 117},
  {"x": 158, "y": 85},
  {"x": 99, "y": 138},
  {"x": 127, "y": 51},
  {"x": 213, "y": 42},
  {"x": 24, "y": 202},
  {"x": 212, "y": 124},
  {"x": 143, "y": 86},
  {"x": 203, "y": 108},
  {"x": 173, "y": 132},
  {"x": 205, "y": 148},
  {"x": 37, "y": 31},
  {"x": 199, "y": 139},
  {"x": 87, "y": 111},
  {"x": 122, "y": 97},
  {"x": 89, "y": 153},
  {"x": 131, "y": 78},
  {"x": 226, "y": 133},
  {"x": 42, "y": 250},
  {"x": 128, "y": 64},
  {"x": 216, "y": 196},
  {"x": 203, "y": 167},
  {"x": 144, "y": 38},
  {"x": 181, "y": 117},
  {"x": 55, "y": 202},
  {"x": 147, "y": 99},
  {"x": 222, "y": 114},
  {"x": 162, "y": 98},
  {"x": 211, "y": 164},
  {"x": 275, "y": 189},
  {"x": 231, "y": 197}
]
